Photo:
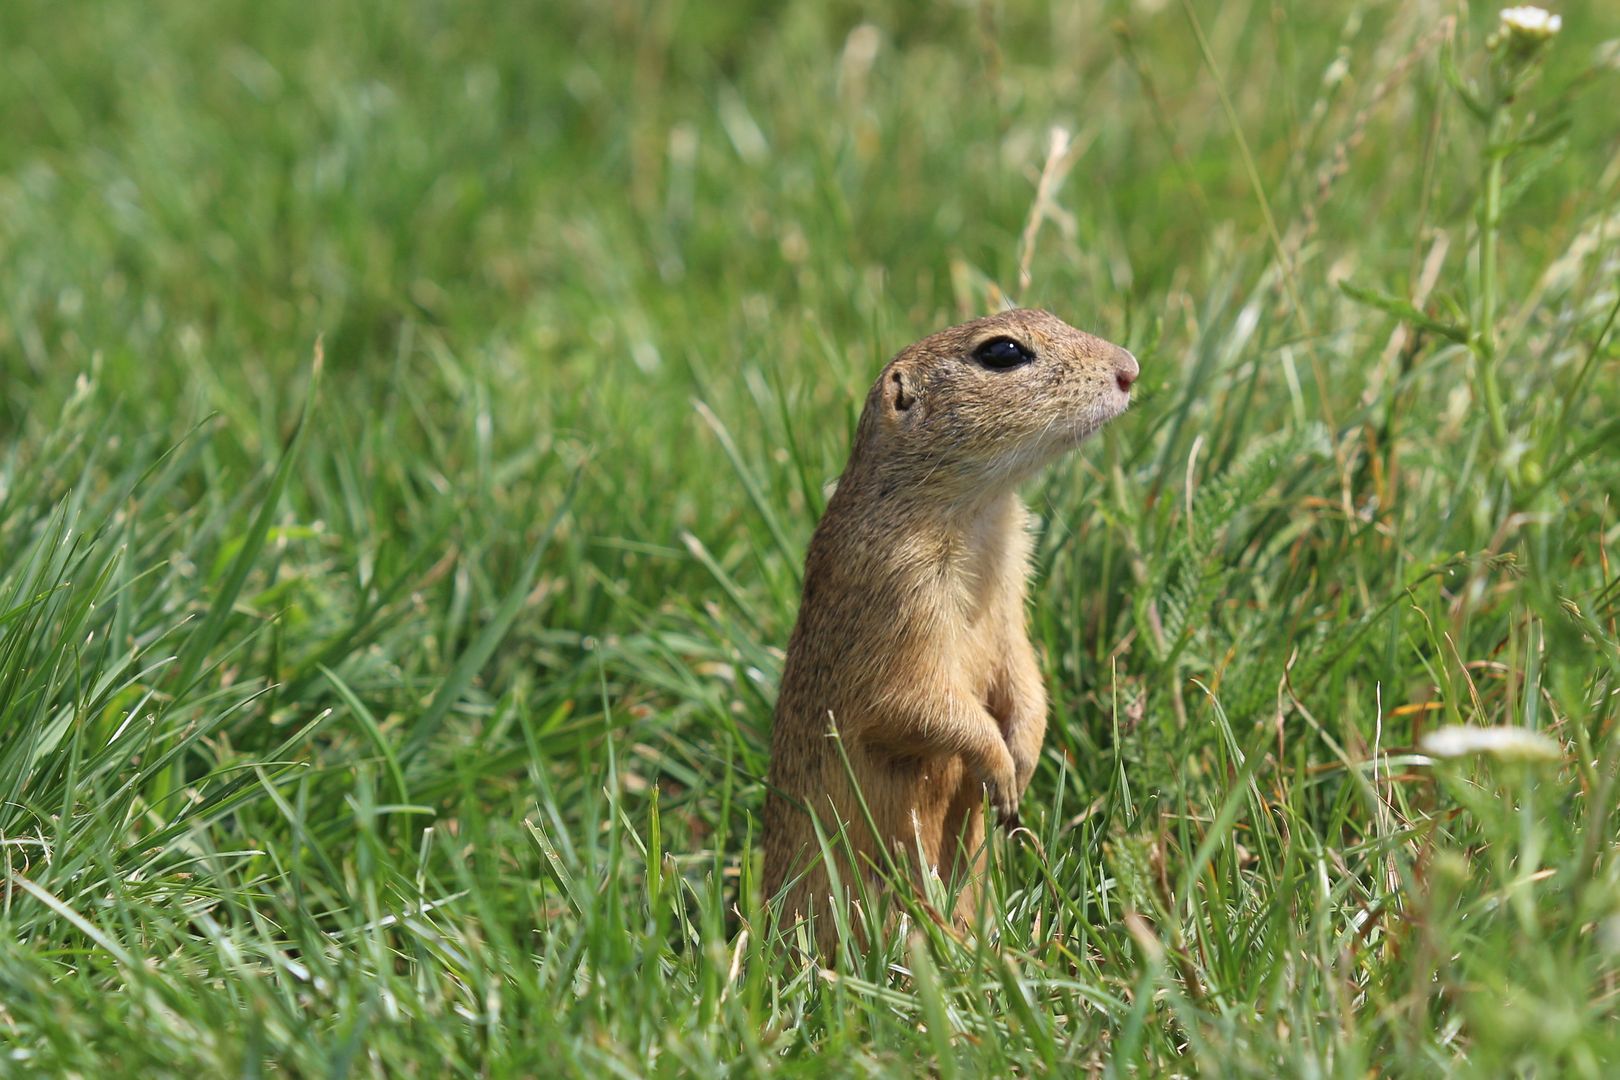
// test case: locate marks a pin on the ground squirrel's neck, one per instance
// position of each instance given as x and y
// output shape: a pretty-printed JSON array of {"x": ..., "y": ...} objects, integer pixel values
[
  {"x": 977, "y": 543},
  {"x": 915, "y": 495}
]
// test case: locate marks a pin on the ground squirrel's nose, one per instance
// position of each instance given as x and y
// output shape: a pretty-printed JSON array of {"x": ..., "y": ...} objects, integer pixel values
[{"x": 1126, "y": 370}]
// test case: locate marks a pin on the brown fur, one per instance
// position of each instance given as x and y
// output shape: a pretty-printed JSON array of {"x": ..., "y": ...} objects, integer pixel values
[{"x": 911, "y": 639}]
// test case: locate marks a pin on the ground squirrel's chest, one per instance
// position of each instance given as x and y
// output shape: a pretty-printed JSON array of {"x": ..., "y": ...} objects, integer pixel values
[{"x": 984, "y": 566}]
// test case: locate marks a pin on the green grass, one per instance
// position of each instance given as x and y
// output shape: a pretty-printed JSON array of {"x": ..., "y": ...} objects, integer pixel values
[{"x": 404, "y": 713}]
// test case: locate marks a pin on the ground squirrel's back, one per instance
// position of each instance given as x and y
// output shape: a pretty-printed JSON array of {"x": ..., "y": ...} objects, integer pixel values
[{"x": 911, "y": 641}]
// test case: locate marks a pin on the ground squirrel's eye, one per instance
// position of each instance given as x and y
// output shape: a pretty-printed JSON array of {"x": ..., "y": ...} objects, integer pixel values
[{"x": 1002, "y": 353}]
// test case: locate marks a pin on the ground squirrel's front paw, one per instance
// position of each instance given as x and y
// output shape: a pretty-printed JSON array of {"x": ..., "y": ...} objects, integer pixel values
[
  {"x": 1024, "y": 758},
  {"x": 1003, "y": 790},
  {"x": 1005, "y": 811}
]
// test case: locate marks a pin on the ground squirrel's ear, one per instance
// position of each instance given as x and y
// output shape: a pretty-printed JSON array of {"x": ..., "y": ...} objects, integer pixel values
[{"x": 898, "y": 391}]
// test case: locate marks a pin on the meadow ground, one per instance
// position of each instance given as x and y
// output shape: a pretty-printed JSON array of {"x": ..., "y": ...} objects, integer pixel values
[{"x": 404, "y": 714}]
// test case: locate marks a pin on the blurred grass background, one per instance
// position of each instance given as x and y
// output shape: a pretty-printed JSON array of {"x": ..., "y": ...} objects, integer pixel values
[{"x": 424, "y": 735}]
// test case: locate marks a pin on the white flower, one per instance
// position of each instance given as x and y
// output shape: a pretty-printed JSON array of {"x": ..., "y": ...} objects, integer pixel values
[
  {"x": 1531, "y": 22},
  {"x": 1503, "y": 743}
]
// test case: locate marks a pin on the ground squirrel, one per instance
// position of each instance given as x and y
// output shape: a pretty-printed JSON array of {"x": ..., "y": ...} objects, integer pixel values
[{"x": 911, "y": 638}]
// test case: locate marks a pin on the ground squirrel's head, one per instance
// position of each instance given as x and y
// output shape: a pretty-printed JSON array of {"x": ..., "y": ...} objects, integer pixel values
[{"x": 981, "y": 406}]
